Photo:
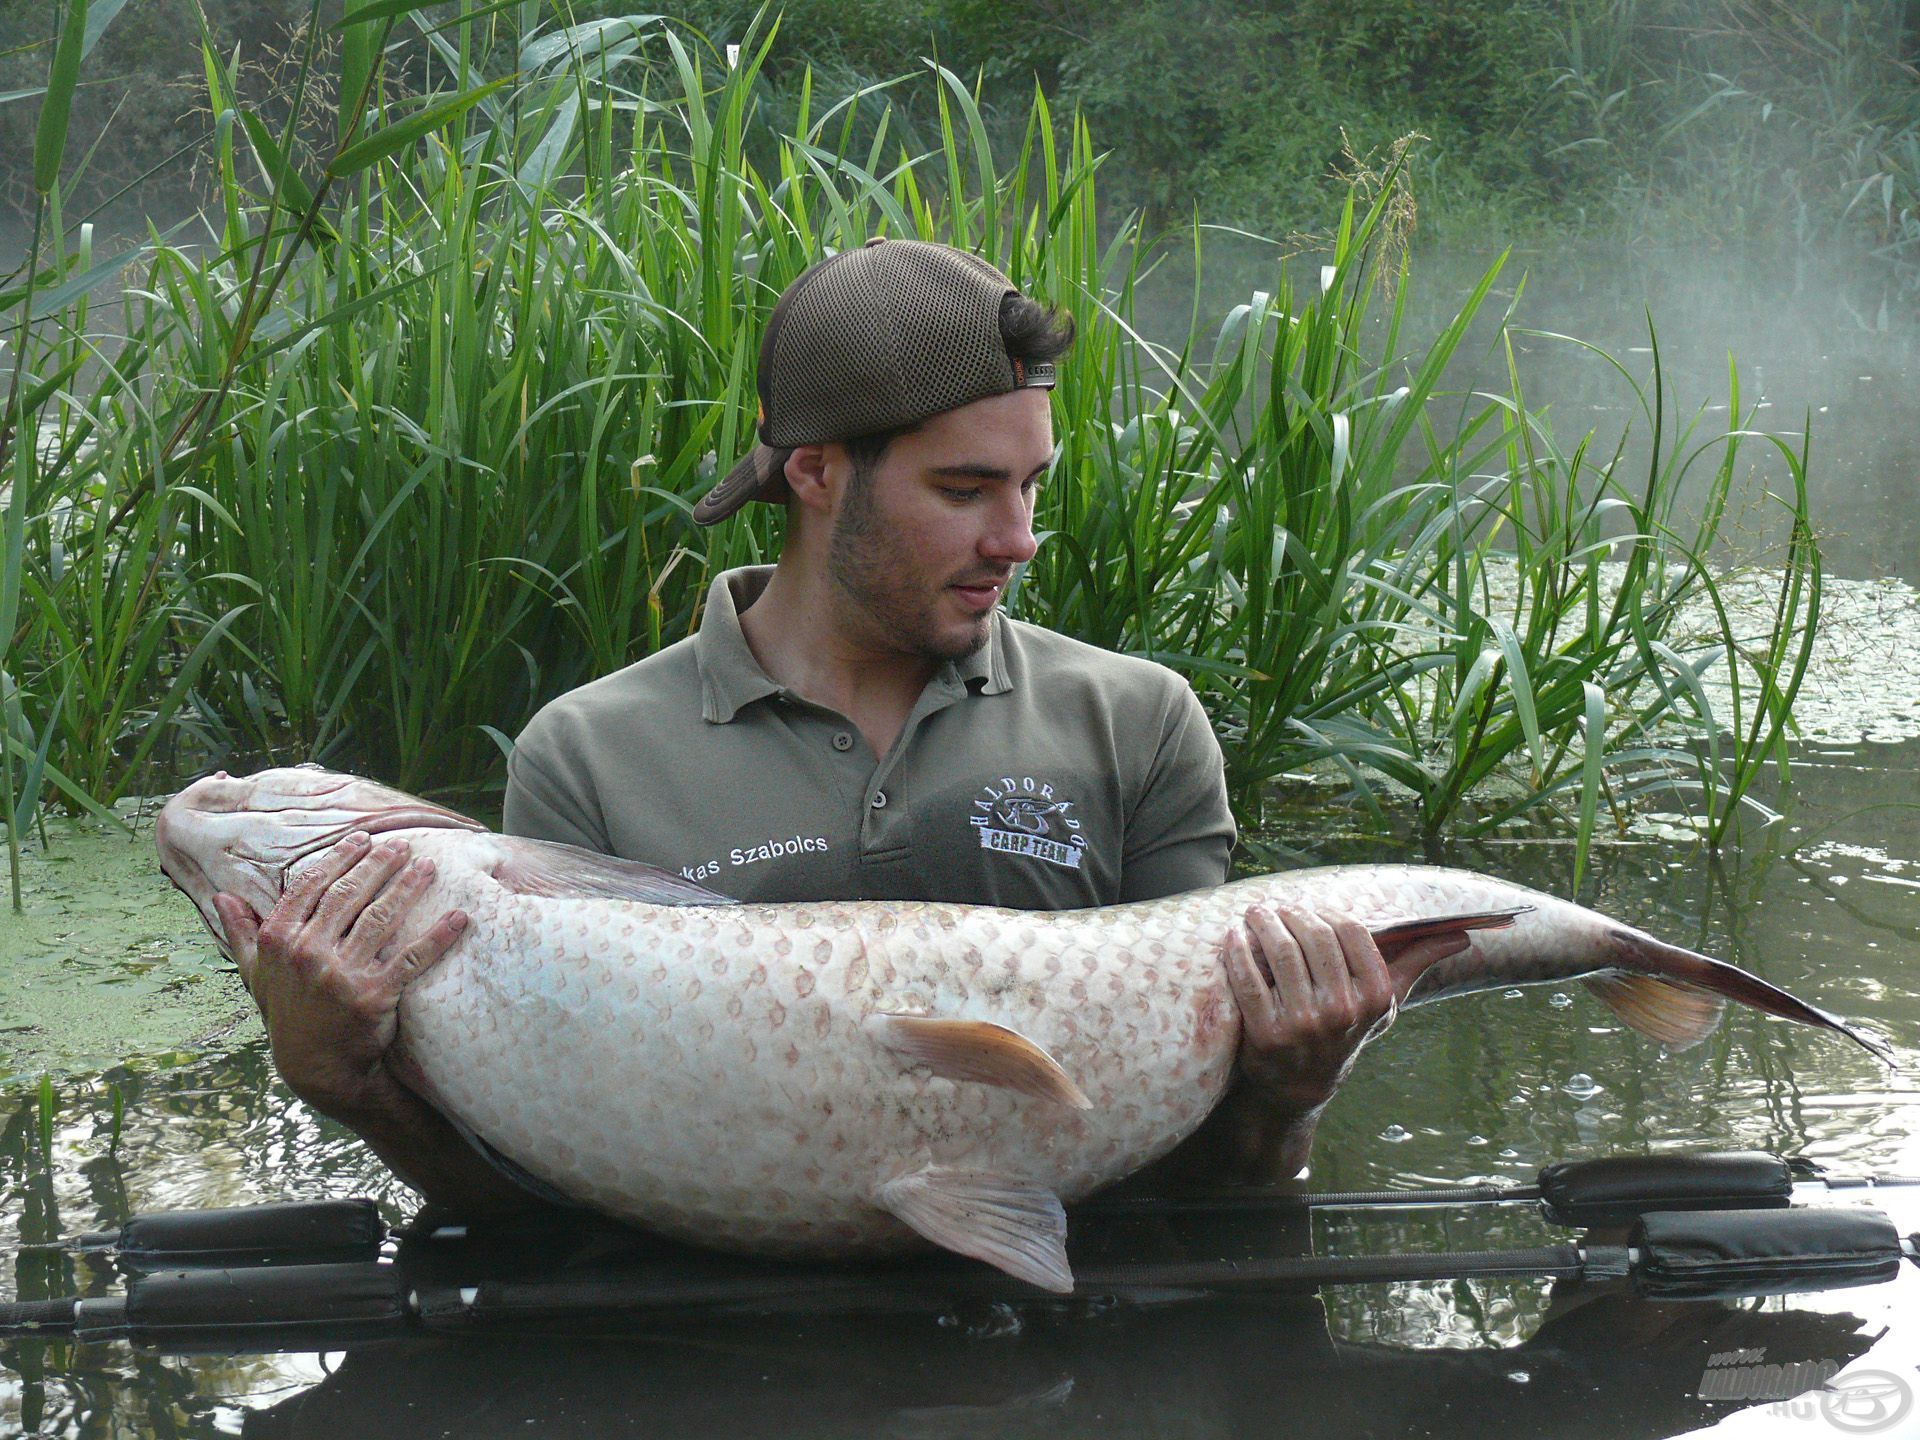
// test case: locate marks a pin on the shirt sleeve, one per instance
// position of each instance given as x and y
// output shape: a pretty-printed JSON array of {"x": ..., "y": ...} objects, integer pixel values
[
  {"x": 546, "y": 798},
  {"x": 1181, "y": 831}
]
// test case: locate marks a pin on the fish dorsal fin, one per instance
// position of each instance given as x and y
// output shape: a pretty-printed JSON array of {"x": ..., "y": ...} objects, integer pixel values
[
  {"x": 564, "y": 872},
  {"x": 1675, "y": 1015},
  {"x": 979, "y": 1050},
  {"x": 1404, "y": 931},
  {"x": 1011, "y": 1224}
]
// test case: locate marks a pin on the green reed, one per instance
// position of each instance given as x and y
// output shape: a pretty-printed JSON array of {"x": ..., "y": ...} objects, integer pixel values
[{"x": 409, "y": 448}]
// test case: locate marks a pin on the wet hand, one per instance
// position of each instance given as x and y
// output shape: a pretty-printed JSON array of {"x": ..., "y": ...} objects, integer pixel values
[
  {"x": 326, "y": 975},
  {"x": 1313, "y": 988}
]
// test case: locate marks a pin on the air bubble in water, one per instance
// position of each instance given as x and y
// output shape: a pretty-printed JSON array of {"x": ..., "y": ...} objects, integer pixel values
[
  {"x": 1580, "y": 1085},
  {"x": 1559, "y": 1000},
  {"x": 1394, "y": 1134}
]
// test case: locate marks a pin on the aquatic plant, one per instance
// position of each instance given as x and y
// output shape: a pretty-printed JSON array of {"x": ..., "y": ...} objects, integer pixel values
[
  {"x": 22, "y": 407},
  {"x": 410, "y": 447}
]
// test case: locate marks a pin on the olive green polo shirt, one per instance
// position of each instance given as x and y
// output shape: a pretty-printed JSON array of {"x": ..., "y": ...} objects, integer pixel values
[{"x": 1039, "y": 773}]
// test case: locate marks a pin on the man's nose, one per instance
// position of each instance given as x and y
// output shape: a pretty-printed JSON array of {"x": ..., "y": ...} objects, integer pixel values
[{"x": 1011, "y": 538}]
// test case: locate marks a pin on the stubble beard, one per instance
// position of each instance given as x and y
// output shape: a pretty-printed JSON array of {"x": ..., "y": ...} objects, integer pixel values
[{"x": 866, "y": 563}]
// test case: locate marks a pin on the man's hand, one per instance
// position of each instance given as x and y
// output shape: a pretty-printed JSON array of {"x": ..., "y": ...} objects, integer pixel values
[
  {"x": 1313, "y": 989},
  {"x": 325, "y": 976}
]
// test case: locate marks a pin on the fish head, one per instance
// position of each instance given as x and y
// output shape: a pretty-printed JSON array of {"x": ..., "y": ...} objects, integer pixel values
[{"x": 248, "y": 835}]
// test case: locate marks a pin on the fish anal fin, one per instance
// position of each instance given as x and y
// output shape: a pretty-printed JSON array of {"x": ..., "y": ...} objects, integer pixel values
[
  {"x": 979, "y": 1050},
  {"x": 1676, "y": 1015},
  {"x": 567, "y": 872},
  {"x": 1011, "y": 1224}
]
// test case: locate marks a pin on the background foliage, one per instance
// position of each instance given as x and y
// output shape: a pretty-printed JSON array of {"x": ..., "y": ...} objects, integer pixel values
[
  {"x": 1740, "y": 125},
  {"x": 409, "y": 447}
]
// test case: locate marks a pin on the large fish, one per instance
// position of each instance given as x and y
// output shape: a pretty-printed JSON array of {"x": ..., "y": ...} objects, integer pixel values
[{"x": 833, "y": 1079}]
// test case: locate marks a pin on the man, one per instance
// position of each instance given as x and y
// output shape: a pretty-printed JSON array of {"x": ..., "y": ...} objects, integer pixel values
[{"x": 860, "y": 721}]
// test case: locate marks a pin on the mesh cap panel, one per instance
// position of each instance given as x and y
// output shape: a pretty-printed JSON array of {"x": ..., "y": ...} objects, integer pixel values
[
  {"x": 882, "y": 337},
  {"x": 873, "y": 339}
]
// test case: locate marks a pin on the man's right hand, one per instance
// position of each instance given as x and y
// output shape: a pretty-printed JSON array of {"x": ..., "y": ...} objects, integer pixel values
[{"x": 326, "y": 977}]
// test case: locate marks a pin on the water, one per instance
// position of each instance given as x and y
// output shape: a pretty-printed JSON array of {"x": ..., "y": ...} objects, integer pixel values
[{"x": 1487, "y": 1088}]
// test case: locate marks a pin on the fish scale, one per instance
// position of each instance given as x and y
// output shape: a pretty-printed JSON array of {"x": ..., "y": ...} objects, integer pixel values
[{"x": 851, "y": 1077}]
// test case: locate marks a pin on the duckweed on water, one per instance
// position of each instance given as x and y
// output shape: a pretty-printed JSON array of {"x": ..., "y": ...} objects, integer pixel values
[{"x": 108, "y": 962}]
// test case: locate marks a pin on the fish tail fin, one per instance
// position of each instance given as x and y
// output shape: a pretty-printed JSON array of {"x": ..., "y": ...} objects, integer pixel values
[{"x": 1676, "y": 996}]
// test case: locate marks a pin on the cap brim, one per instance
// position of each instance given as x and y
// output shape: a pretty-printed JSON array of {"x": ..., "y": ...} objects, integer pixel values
[{"x": 760, "y": 476}]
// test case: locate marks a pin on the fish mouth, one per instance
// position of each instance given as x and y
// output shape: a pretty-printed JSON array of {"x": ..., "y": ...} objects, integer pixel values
[{"x": 193, "y": 883}]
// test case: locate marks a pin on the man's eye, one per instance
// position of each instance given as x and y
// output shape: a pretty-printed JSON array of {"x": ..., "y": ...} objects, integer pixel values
[{"x": 953, "y": 492}]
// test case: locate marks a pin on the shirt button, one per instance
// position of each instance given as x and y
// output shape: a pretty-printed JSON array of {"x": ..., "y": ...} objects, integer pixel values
[
  {"x": 879, "y": 801},
  {"x": 842, "y": 740}
]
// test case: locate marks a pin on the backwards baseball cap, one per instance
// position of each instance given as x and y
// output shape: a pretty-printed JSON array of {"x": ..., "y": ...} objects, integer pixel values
[{"x": 873, "y": 339}]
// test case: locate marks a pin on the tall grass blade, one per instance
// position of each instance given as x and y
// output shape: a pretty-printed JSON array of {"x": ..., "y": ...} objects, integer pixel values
[
  {"x": 50, "y": 136},
  {"x": 402, "y": 133},
  {"x": 294, "y": 192},
  {"x": 27, "y": 802},
  {"x": 386, "y": 10},
  {"x": 1592, "y": 769},
  {"x": 100, "y": 14}
]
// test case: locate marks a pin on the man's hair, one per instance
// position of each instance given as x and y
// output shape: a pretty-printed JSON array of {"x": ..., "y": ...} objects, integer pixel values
[{"x": 1032, "y": 332}]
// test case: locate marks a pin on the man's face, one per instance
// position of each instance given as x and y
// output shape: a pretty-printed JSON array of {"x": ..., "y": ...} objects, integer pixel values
[{"x": 923, "y": 551}]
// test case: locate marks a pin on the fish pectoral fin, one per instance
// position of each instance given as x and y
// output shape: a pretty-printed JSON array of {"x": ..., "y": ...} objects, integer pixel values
[
  {"x": 1011, "y": 1224},
  {"x": 546, "y": 867},
  {"x": 1676, "y": 1015},
  {"x": 979, "y": 1050}
]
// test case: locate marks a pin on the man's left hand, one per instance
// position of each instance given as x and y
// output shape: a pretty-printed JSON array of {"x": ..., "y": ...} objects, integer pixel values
[{"x": 1313, "y": 988}]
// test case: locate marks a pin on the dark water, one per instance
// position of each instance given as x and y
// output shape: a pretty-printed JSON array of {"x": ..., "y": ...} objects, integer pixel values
[{"x": 1489, "y": 1087}]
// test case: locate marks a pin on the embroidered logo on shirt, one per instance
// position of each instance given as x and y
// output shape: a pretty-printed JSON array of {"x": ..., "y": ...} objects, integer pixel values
[{"x": 1021, "y": 815}]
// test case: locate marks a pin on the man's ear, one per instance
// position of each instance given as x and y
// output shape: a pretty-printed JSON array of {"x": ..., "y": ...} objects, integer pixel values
[{"x": 810, "y": 475}]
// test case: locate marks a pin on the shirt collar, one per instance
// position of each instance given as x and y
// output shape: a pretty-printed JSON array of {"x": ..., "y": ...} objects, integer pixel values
[{"x": 731, "y": 678}]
